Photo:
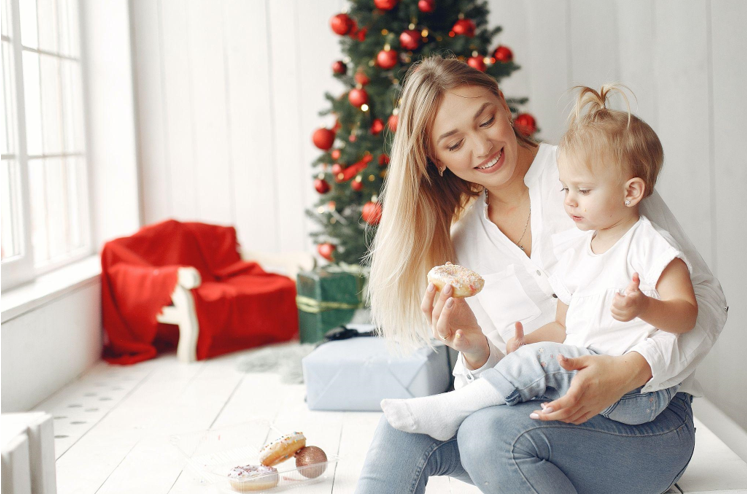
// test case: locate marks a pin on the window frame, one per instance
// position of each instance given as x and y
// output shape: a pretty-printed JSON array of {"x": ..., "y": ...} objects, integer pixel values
[{"x": 20, "y": 269}]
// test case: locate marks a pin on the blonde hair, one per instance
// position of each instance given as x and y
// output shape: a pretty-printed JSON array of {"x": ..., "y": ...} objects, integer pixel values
[
  {"x": 595, "y": 130},
  {"x": 419, "y": 206}
]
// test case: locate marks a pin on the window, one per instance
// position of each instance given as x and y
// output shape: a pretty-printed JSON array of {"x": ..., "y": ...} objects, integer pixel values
[{"x": 45, "y": 220}]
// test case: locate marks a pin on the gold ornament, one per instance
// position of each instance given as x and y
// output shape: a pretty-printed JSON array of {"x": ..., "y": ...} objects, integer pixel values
[{"x": 311, "y": 455}]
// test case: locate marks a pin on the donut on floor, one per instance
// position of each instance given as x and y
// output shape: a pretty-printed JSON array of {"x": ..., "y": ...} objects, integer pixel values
[
  {"x": 464, "y": 281},
  {"x": 247, "y": 478},
  {"x": 281, "y": 448}
]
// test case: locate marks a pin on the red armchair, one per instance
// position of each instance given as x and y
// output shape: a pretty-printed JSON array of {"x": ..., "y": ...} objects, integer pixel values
[{"x": 186, "y": 285}]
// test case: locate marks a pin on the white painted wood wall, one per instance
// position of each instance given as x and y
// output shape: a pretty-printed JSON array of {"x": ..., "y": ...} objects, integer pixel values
[{"x": 228, "y": 93}]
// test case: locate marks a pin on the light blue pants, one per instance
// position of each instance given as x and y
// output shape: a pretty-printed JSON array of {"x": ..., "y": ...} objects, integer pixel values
[
  {"x": 501, "y": 449},
  {"x": 533, "y": 373}
]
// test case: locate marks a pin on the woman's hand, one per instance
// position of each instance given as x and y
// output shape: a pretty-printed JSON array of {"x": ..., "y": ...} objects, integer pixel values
[
  {"x": 454, "y": 323},
  {"x": 601, "y": 381},
  {"x": 517, "y": 341}
]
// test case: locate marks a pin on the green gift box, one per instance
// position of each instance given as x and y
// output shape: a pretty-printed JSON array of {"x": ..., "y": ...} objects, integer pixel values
[{"x": 327, "y": 298}]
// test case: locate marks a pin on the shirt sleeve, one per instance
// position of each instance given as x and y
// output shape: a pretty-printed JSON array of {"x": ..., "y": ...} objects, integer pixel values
[
  {"x": 674, "y": 358},
  {"x": 464, "y": 375}
]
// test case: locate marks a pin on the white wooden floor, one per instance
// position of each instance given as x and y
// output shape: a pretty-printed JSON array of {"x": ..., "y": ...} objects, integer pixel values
[{"x": 113, "y": 425}]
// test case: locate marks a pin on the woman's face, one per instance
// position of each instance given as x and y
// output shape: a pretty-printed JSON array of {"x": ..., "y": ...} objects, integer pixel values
[{"x": 472, "y": 136}]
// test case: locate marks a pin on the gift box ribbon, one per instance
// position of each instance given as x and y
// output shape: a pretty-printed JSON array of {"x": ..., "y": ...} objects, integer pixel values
[{"x": 308, "y": 304}]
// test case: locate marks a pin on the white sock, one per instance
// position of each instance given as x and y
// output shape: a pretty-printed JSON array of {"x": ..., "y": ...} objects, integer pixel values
[{"x": 440, "y": 416}]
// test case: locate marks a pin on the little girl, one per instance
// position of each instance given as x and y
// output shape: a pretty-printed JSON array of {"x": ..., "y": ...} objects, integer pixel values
[{"x": 619, "y": 280}]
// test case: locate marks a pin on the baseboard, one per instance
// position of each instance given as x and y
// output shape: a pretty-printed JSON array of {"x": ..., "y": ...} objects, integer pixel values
[{"x": 722, "y": 426}]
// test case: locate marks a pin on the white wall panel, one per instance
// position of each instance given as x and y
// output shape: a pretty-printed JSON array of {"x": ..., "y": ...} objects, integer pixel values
[
  {"x": 547, "y": 21},
  {"x": 155, "y": 184},
  {"x": 178, "y": 101},
  {"x": 251, "y": 149},
  {"x": 593, "y": 34},
  {"x": 209, "y": 111},
  {"x": 292, "y": 173},
  {"x": 682, "y": 109},
  {"x": 728, "y": 387}
]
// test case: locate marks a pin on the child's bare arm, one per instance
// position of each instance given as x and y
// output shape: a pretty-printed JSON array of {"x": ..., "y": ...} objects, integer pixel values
[
  {"x": 674, "y": 313},
  {"x": 553, "y": 331}
]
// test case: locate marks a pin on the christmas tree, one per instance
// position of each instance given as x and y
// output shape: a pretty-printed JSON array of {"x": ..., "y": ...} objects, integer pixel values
[{"x": 380, "y": 39}]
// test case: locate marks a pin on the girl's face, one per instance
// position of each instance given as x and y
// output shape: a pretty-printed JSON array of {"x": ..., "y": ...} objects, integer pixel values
[
  {"x": 472, "y": 136},
  {"x": 594, "y": 195}
]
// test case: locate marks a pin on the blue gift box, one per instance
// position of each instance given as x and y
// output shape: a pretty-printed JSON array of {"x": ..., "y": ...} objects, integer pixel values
[{"x": 356, "y": 374}]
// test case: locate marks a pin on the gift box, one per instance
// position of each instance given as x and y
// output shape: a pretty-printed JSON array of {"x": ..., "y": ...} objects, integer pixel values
[
  {"x": 326, "y": 299},
  {"x": 356, "y": 374}
]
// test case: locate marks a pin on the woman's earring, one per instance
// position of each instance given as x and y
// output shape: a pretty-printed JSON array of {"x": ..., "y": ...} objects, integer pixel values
[
  {"x": 627, "y": 202},
  {"x": 441, "y": 171}
]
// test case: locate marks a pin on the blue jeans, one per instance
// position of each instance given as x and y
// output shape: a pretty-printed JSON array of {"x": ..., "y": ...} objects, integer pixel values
[
  {"x": 533, "y": 372},
  {"x": 500, "y": 449}
]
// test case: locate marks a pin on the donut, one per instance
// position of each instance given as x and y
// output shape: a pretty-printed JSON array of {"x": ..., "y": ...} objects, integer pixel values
[
  {"x": 464, "y": 281},
  {"x": 281, "y": 448},
  {"x": 248, "y": 478}
]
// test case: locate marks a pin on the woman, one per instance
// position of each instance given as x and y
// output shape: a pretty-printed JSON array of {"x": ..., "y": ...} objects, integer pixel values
[{"x": 464, "y": 186}]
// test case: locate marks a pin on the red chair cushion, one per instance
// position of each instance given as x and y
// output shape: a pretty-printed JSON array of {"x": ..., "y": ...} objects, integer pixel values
[{"x": 238, "y": 304}]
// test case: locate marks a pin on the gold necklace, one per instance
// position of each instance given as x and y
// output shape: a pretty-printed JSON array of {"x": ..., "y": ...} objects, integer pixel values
[{"x": 518, "y": 242}]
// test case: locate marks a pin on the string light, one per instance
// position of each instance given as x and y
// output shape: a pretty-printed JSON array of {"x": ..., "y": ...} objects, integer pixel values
[{"x": 364, "y": 107}]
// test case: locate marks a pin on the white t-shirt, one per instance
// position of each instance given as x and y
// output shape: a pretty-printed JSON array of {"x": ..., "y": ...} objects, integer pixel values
[
  {"x": 588, "y": 282},
  {"x": 517, "y": 287}
]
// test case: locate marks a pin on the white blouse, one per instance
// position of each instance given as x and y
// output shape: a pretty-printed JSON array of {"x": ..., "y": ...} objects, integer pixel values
[
  {"x": 588, "y": 284},
  {"x": 517, "y": 287}
]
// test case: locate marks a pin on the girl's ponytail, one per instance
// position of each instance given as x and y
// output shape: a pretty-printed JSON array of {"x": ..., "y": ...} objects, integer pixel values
[{"x": 596, "y": 103}]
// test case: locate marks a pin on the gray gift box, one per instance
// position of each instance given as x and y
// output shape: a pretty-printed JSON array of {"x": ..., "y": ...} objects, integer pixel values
[{"x": 357, "y": 373}]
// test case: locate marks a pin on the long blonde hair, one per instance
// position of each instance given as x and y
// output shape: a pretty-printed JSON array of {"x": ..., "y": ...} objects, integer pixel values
[
  {"x": 419, "y": 206},
  {"x": 595, "y": 130}
]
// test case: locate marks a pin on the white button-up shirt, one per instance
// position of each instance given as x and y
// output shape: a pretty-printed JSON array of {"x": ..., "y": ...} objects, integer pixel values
[{"x": 517, "y": 286}]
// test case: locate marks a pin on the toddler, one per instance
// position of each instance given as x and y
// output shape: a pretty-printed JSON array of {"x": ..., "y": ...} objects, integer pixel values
[{"x": 619, "y": 280}]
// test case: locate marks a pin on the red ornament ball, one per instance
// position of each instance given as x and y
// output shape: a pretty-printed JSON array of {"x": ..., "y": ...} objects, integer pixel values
[
  {"x": 371, "y": 213},
  {"x": 361, "y": 35},
  {"x": 392, "y": 122},
  {"x": 326, "y": 251},
  {"x": 321, "y": 185},
  {"x": 427, "y": 6},
  {"x": 337, "y": 169},
  {"x": 341, "y": 24},
  {"x": 335, "y": 154},
  {"x": 525, "y": 124},
  {"x": 464, "y": 27},
  {"x": 323, "y": 138},
  {"x": 386, "y": 59},
  {"x": 477, "y": 63},
  {"x": 386, "y": 4},
  {"x": 383, "y": 159},
  {"x": 352, "y": 138},
  {"x": 503, "y": 54},
  {"x": 377, "y": 126},
  {"x": 339, "y": 67},
  {"x": 409, "y": 39},
  {"x": 361, "y": 78},
  {"x": 358, "y": 97},
  {"x": 311, "y": 455},
  {"x": 357, "y": 185}
]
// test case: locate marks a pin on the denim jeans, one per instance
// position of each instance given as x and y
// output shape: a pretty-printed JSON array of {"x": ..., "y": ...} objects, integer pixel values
[
  {"x": 533, "y": 372},
  {"x": 500, "y": 449}
]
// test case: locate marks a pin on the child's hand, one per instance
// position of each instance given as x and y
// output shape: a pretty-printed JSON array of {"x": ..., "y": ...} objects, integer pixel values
[
  {"x": 632, "y": 303},
  {"x": 517, "y": 341}
]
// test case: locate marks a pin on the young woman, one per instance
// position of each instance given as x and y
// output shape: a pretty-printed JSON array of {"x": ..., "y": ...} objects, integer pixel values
[{"x": 463, "y": 186}]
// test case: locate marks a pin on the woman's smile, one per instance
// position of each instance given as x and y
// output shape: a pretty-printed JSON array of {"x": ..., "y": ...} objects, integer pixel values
[{"x": 492, "y": 164}]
